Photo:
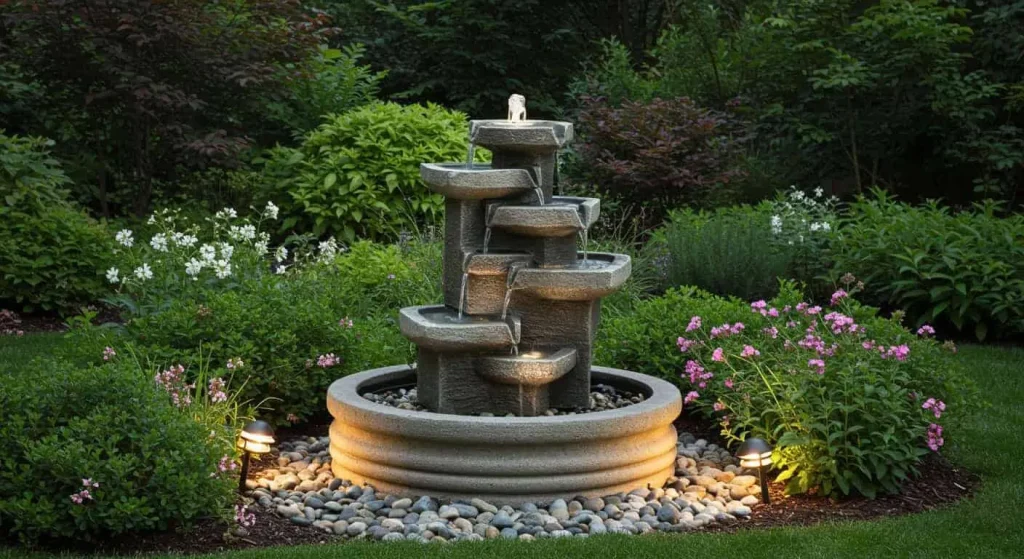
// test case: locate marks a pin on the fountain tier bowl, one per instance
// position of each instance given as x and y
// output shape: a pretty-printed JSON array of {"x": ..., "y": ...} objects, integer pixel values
[
  {"x": 479, "y": 182},
  {"x": 528, "y": 136},
  {"x": 504, "y": 460}
]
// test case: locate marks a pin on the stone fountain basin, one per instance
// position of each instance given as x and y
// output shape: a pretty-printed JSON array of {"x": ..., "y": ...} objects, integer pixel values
[
  {"x": 600, "y": 275},
  {"x": 504, "y": 460},
  {"x": 439, "y": 328},
  {"x": 564, "y": 216},
  {"x": 479, "y": 182},
  {"x": 530, "y": 136},
  {"x": 535, "y": 368}
]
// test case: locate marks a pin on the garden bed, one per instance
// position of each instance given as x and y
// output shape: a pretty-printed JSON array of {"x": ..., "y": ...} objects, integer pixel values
[{"x": 940, "y": 484}]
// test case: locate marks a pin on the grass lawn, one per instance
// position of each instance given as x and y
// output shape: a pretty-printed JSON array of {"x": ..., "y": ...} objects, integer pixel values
[{"x": 991, "y": 443}]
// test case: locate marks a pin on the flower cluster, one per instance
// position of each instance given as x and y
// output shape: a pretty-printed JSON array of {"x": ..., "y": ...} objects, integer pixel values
[
  {"x": 328, "y": 360},
  {"x": 346, "y": 322},
  {"x": 691, "y": 396},
  {"x": 108, "y": 353},
  {"x": 727, "y": 330},
  {"x": 684, "y": 344},
  {"x": 226, "y": 464},
  {"x": 235, "y": 363},
  {"x": 936, "y": 406},
  {"x": 925, "y": 331},
  {"x": 173, "y": 381},
  {"x": 243, "y": 517},
  {"x": 85, "y": 495},
  {"x": 935, "y": 440},
  {"x": 698, "y": 375},
  {"x": 216, "y": 390},
  {"x": 799, "y": 218}
]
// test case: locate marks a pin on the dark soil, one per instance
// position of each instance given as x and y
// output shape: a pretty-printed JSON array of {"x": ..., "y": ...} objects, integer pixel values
[
  {"x": 940, "y": 484},
  {"x": 53, "y": 322}
]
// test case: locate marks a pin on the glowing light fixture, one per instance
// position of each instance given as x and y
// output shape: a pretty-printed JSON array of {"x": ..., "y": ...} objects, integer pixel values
[
  {"x": 256, "y": 438},
  {"x": 756, "y": 453}
]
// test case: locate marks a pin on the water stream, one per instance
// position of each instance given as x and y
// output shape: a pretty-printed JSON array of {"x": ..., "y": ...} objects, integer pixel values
[
  {"x": 469, "y": 155},
  {"x": 539, "y": 188},
  {"x": 487, "y": 237},
  {"x": 462, "y": 292}
]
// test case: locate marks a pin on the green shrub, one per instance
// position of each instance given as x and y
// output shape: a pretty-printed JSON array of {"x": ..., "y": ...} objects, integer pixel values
[
  {"x": 357, "y": 175},
  {"x": 728, "y": 252},
  {"x": 962, "y": 271},
  {"x": 146, "y": 463},
  {"x": 839, "y": 391},
  {"x": 50, "y": 251}
]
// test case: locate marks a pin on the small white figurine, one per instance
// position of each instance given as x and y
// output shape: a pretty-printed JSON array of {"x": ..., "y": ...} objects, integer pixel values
[{"x": 516, "y": 108}]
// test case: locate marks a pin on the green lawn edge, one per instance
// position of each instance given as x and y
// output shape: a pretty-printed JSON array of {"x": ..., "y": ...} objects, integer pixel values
[{"x": 989, "y": 442}]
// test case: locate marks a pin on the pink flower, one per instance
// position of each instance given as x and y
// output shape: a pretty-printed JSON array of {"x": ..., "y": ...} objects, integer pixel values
[
  {"x": 85, "y": 494},
  {"x": 235, "y": 363},
  {"x": 819, "y": 364},
  {"x": 728, "y": 383},
  {"x": 771, "y": 331},
  {"x": 812, "y": 310},
  {"x": 718, "y": 355},
  {"x": 749, "y": 351},
  {"x": 243, "y": 517},
  {"x": 346, "y": 322},
  {"x": 791, "y": 324},
  {"x": 76, "y": 498},
  {"x": 868, "y": 345},
  {"x": 719, "y": 406},
  {"x": 88, "y": 482},
  {"x": 925, "y": 330},
  {"x": 684, "y": 344},
  {"x": 937, "y": 406},
  {"x": 773, "y": 312},
  {"x": 698, "y": 375},
  {"x": 108, "y": 353},
  {"x": 800, "y": 307},
  {"x": 226, "y": 464},
  {"x": 935, "y": 440},
  {"x": 899, "y": 352},
  {"x": 839, "y": 295},
  {"x": 787, "y": 308},
  {"x": 690, "y": 397},
  {"x": 694, "y": 324},
  {"x": 216, "y": 391},
  {"x": 737, "y": 328},
  {"x": 758, "y": 305},
  {"x": 328, "y": 360}
]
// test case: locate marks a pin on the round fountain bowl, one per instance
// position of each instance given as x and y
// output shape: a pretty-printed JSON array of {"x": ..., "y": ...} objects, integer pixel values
[{"x": 504, "y": 460}]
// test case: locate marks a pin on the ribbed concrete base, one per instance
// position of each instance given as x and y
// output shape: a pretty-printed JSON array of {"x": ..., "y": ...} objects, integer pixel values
[{"x": 502, "y": 460}]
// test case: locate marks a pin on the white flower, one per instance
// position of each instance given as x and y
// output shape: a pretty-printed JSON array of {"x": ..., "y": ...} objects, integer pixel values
[
  {"x": 282, "y": 254},
  {"x": 815, "y": 226},
  {"x": 183, "y": 239},
  {"x": 825, "y": 226},
  {"x": 797, "y": 195},
  {"x": 151, "y": 220},
  {"x": 261, "y": 247},
  {"x": 222, "y": 268},
  {"x": 226, "y": 213},
  {"x": 144, "y": 272},
  {"x": 159, "y": 242},
  {"x": 208, "y": 253},
  {"x": 776, "y": 224},
  {"x": 244, "y": 232},
  {"x": 226, "y": 250},
  {"x": 328, "y": 249},
  {"x": 281, "y": 269},
  {"x": 113, "y": 275},
  {"x": 818, "y": 192},
  {"x": 124, "y": 237},
  {"x": 271, "y": 211},
  {"x": 193, "y": 267}
]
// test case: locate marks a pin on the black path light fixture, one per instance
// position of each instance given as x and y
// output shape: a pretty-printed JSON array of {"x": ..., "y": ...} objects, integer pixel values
[
  {"x": 256, "y": 438},
  {"x": 757, "y": 453}
]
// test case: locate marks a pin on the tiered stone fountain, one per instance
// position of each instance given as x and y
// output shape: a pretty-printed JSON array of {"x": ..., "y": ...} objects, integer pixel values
[{"x": 514, "y": 337}]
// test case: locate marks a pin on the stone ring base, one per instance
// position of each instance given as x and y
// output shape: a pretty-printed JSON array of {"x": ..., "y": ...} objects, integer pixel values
[{"x": 503, "y": 460}]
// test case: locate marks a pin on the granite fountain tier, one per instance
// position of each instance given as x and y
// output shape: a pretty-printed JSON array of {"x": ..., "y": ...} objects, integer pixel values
[{"x": 514, "y": 337}]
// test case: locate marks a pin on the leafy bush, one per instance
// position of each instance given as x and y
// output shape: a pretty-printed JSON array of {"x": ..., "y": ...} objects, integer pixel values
[
  {"x": 963, "y": 270},
  {"x": 357, "y": 175},
  {"x": 50, "y": 251},
  {"x": 661, "y": 153},
  {"x": 849, "y": 399},
  {"x": 89, "y": 453},
  {"x": 337, "y": 83}
]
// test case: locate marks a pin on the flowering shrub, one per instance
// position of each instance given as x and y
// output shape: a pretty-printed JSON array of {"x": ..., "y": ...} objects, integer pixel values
[
  {"x": 90, "y": 453},
  {"x": 180, "y": 259},
  {"x": 802, "y": 225},
  {"x": 849, "y": 399}
]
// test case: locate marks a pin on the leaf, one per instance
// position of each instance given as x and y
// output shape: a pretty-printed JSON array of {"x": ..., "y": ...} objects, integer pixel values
[{"x": 330, "y": 179}]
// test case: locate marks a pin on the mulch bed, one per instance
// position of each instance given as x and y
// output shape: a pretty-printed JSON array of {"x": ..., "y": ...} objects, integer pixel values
[
  {"x": 940, "y": 484},
  {"x": 52, "y": 322}
]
